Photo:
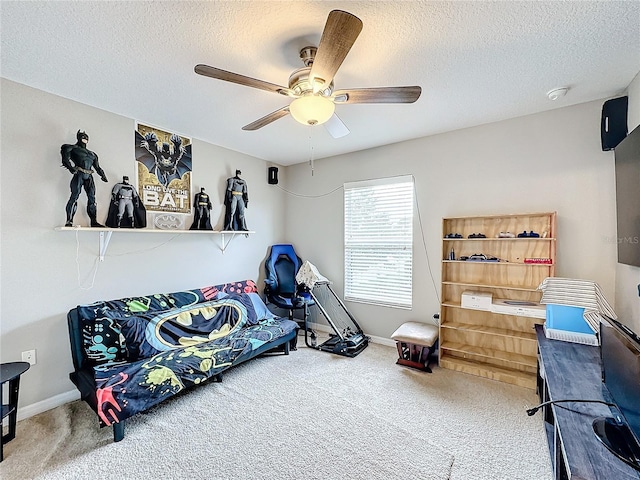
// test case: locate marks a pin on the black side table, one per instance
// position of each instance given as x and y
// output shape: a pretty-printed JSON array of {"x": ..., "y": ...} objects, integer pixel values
[{"x": 10, "y": 372}]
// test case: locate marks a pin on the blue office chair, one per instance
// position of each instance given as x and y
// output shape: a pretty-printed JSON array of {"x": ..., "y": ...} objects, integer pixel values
[{"x": 281, "y": 288}]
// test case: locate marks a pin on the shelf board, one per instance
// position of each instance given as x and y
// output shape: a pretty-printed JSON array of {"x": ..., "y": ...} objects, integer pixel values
[
  {"x": 512, "y": 314},
  {"x": 490, "y": 330},
  {"x": 458, "y": 305},
  {"x": 518, "y": 264},
  {"x": 7, "y": 410},
  {"x": 498, "y": 239},
  {"x": 516, "y": 358},
  {"x": 106, "y": 232},
  {"x": 504, "y": 215},
  {"x": 150, "y": 230},
  {"x": 505, "y": 287},
  {"x": 506, "y": 375}
]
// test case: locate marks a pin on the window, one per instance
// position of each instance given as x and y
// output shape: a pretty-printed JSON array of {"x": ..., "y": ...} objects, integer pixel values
[{"x": 378, "y": 241}]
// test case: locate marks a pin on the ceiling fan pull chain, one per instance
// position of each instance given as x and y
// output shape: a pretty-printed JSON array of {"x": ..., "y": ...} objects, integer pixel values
[{"x": 311, "y": 151}]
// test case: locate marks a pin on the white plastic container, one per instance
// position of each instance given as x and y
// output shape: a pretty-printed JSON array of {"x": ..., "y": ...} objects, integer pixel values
[
  {"x": 500, "y": 305},
  {"x": 476, "y": 300}
]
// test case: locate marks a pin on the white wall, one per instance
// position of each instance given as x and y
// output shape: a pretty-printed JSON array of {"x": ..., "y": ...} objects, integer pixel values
[
  {"x": 550, "y": 161},
  {"x": 628, "y": 277},
  {"x": 39, "y": 278}
]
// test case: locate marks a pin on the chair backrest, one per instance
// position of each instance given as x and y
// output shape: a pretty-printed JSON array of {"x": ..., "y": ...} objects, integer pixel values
[{"x": 281, "y": 268}]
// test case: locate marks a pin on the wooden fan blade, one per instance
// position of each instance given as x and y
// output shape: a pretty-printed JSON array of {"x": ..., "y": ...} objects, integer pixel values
[
  {"x": 267, "y": 119},
  {"x": 220, "y": 74},
  {"x": 336, "y": 127},
  {"x": 339, "y": 35},
  {"x": 378, "y": 95}
]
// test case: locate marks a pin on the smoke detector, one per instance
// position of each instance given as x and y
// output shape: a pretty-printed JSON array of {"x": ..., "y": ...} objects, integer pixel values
[{"x": 557, "y": 93}]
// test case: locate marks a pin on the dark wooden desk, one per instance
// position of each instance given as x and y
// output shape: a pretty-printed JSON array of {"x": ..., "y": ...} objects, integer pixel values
[
  {"x": 10, "y": 372},
  {"x": 572, "y": 371}
]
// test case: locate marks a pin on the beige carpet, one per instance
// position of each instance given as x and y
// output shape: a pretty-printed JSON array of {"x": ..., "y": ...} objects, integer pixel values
[{"x": 311, "y": 415}]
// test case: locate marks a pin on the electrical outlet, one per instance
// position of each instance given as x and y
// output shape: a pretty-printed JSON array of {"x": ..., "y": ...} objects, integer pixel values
[{"x": 29, "y": 356}]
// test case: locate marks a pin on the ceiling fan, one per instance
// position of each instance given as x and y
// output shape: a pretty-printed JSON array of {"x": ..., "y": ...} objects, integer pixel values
[{"x": 312, "y": 86}]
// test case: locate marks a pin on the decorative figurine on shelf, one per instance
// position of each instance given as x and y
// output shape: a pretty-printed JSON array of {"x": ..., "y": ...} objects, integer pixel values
[
  {"x": 236, "y": 200},
  {"x": 81, "y": 161},
  {"x": 202, "y": 217},
  {"x": 125, "y": 199}
]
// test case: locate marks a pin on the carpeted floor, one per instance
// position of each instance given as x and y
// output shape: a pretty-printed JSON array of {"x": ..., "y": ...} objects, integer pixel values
[{"x": 309, "y": 415}]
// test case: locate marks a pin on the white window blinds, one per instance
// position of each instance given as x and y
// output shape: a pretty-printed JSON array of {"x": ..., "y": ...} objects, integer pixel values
[{"x": 378, "y": 241}]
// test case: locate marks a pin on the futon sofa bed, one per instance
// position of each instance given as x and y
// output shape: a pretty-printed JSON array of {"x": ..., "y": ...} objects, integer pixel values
[{"x": 133, "y": 353}]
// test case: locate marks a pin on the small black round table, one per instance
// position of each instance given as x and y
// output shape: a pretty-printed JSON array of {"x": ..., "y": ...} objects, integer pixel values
[{"x": 10, "y": 372}]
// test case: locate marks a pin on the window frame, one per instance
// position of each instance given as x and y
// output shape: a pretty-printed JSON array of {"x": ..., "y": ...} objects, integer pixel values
[{"x": 391, "y": 235}]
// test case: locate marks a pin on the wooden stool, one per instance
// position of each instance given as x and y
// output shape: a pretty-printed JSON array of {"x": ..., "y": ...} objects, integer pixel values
[{"x": 416, "y": 342}]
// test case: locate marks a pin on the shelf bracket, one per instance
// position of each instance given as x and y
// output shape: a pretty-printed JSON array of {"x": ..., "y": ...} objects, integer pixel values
[
  {"x": 104, "y": 243},
  {"x": 223, "y": 244}
]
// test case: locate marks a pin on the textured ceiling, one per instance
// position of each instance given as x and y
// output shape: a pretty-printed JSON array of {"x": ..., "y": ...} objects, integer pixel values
[{"x": 477, "y": 62}]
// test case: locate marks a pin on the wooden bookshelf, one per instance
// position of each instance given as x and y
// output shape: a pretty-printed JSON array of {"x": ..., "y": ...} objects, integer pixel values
[{"x": 479, "y": 342}]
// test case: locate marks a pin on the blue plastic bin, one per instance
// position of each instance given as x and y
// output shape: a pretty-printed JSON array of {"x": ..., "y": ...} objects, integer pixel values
[{"x": 563, "y": 317}]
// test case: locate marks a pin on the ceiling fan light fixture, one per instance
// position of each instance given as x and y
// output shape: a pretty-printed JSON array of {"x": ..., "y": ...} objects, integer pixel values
[
  {"x": 312, "y": 87},
  {"x": 312, "y": 109}
]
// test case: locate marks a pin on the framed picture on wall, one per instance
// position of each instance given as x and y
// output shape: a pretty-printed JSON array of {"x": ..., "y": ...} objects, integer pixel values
[{"x": 164, "y": 165}]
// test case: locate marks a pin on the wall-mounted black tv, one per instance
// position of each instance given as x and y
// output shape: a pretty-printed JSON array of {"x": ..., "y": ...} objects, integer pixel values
[
  {"x": 627, "y": 155},
  {"x": 620, "y": 353}
]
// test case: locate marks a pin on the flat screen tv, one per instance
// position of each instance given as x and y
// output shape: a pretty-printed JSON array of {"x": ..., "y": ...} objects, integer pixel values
[
  {"x": 627, "y": 155},
  {"x": 620, "y": 353}
]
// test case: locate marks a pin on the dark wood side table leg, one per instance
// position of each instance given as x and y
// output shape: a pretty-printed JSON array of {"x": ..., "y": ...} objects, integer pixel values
[
  {"x": 14, "y": 386},
  {"x": 1, "y": 425},
  {"x": 10, "y": 374}
]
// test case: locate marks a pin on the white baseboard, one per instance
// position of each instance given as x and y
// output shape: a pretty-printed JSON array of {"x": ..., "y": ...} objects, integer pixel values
[
  {"x": 382, "y": 341},
  {"x": 47, "y": 404}
]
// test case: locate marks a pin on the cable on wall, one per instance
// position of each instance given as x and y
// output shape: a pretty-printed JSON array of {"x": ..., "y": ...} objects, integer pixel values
[
  {"x": 97, "y": 263},
  {"x": 95, "y": 266},
  {"x": 424, "y": 243},
  {"x": 134, "y": 252},
  {"x": 339, "y": 187},
  {"x": 299, "y": 195}
]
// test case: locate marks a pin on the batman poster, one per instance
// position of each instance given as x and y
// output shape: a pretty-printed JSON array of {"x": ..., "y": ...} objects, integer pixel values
[{"x": 164, "y": 166}]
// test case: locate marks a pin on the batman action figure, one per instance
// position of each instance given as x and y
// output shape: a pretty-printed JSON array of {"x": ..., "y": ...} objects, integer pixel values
[
  {"x": 236, "y": 201},
  {"x": 125, "y": 199},
  {"x": 81, "y": 162},
  {"x": 202, "y": 217}
]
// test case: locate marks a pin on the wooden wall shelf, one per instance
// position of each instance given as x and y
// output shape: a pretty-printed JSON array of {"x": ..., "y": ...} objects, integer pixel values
[{"x": 105, "y": 234}]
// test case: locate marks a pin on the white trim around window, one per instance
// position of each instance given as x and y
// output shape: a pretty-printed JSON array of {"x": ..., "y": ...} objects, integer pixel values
[{"x": 378, "y": 241}]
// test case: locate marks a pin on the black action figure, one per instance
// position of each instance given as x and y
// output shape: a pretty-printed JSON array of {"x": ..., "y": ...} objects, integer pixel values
[
  {"x": 81, "y": 161},
  {"x": 236, "y": 200},
  {"x": 125, "y": 199},
  {"x": 202, "y": 217}
]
